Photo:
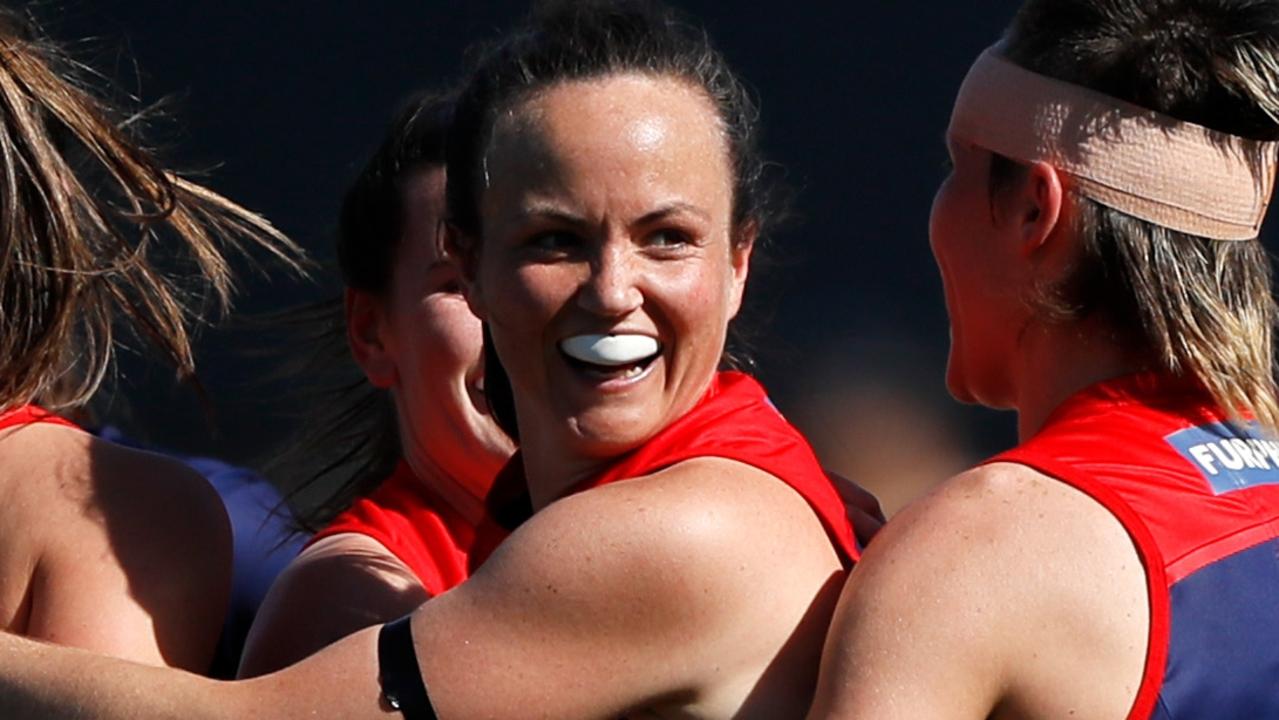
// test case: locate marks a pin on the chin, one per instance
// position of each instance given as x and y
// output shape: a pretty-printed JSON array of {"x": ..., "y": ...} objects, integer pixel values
[
  {"x": 991, "y": 391},
  {"x": 962, "y": 394},
  {"x": 965, "y": 390},
  {"x": 608, "y": 434},
  {"x": 957, "y": 381}
]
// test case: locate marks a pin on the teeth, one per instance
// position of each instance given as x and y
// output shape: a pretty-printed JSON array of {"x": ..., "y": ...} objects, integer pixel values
[{"x": 611, "y": 350}]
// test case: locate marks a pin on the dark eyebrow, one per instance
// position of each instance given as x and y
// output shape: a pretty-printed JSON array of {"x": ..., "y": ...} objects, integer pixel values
[
  {"x": 674, "y": 208},
  {"x": 550, "y": 211}
]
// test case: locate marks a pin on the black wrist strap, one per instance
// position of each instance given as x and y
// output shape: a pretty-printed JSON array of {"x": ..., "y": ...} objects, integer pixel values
[{"x": 399, "y": 674}]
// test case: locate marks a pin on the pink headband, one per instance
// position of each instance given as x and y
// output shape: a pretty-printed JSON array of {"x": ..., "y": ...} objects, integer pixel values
[{"x": 1171, "y": 173}]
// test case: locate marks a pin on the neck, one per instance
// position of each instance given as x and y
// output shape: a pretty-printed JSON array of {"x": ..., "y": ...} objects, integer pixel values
[
  {"x": 452, "y": 491},
  {"x": 552, "y": 472},
  {"x": 554, "y": 463},
  {"x": 1060, "y": 360}
]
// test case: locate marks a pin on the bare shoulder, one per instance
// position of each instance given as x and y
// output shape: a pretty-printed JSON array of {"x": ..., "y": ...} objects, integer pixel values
[
  {"x": 91, "y": 482},
  {"x": 710, "y": 519},
  {"x": 155, "y": 531},
  {"x": 162, "y": 521},
  {"x": 710, "y": 553},
  {"x": 154, "y": 495},
  {"x": 335, "y": 587},
  {"x": 698, "y": 583},
  {"x": 1004, "y": 513},
  {"x": 1028, "y": 592},
  {"x": 1002, "y": 531},
  {"x": 356, "y": 562}
]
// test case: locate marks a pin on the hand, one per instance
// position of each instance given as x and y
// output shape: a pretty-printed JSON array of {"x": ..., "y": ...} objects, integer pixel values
[{"x": 862, "y": 508}]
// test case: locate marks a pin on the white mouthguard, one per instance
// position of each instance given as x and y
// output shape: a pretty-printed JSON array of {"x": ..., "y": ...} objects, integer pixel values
[{"x": 610, "y": 350}]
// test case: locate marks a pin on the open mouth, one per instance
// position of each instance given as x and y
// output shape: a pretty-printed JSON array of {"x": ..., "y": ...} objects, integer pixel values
[{"x": 620, "y": 356}]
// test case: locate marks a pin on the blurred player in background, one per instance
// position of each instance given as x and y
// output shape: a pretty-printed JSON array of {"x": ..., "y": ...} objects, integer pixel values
[{"x": 410, "y": 444}]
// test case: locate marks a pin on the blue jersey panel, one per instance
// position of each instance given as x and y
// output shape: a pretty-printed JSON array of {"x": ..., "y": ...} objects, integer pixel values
[
  {"x": 1223, "y": 654},
  {"x": 1229, "y": 457}
]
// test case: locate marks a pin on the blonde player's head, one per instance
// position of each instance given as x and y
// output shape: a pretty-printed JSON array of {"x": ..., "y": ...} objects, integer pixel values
[{"x": 1186, "y": 302}]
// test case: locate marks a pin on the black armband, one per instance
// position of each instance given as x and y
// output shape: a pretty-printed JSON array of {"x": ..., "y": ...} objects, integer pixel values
[{"x": 402, "y": 686}]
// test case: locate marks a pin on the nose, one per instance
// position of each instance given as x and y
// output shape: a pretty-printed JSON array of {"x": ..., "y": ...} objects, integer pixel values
[{"x": 612, "y": 289}]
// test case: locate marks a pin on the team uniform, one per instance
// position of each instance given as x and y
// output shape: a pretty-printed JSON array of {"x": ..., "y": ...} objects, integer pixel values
[
  {"x": 733, "y": 420},
  {"x": 416, "y": 526},
  {"x": 28, "y": 414},
  {"x": 1199, "y": 496},
  {"x": 736, "y": 421}
]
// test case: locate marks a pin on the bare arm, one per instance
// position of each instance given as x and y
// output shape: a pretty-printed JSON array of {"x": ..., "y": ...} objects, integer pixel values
[
  {"x": 982, "y": 600},
  {"x": 704, "y": 588},
  {"x": 335, "y": 587},
  {"x": 46, "y": 682},
  {"x": 681, "y": 592}
]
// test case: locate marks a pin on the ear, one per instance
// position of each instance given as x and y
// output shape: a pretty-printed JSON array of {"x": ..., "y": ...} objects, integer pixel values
[
  {"x": 1041, "y": 205},
  {"x": 365, "y": 334},
  {"x": 743, "y": 246},
  {"x": 459, "y": 250}
]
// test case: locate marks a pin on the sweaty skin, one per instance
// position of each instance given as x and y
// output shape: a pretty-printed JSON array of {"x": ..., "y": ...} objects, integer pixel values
[
  {"x": 1004, "y": 593},
  {"x": 700, "y": 591},
  {"x": 110, "y": 549}
]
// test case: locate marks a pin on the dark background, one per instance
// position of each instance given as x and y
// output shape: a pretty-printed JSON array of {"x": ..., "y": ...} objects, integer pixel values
[{"x": 281, "y": 101}]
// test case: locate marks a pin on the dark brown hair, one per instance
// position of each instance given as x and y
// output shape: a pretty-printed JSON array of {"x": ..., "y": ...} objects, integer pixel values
[
  {"x": 582, "y": 39},
  {"x": 350, "y": 441}
]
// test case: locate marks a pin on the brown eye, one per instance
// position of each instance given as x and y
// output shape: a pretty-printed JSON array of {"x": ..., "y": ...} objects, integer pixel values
[
  {"x": 669, "y": 239},
  {"x": 555, "y": 242}
]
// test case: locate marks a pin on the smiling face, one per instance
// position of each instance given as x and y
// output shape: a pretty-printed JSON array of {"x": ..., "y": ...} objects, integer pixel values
[
  {"x": 607, "y": 270},
  {"x": 427, "y": 351}
]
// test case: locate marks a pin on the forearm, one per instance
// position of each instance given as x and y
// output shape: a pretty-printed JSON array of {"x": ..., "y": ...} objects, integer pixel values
[{"x": 47, "y": 682}]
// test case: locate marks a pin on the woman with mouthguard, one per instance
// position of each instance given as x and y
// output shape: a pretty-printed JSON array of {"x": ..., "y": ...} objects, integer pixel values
[{"x": 686, "y": 548}]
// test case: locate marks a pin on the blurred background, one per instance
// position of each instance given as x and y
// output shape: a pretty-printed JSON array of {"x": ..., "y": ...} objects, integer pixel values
[{"x": 279, "y": 103}]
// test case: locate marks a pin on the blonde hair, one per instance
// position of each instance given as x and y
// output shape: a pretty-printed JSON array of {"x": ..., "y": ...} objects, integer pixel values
[
  {"x": 86, "y": 217},
  {"x": 1201, "y": 309}
]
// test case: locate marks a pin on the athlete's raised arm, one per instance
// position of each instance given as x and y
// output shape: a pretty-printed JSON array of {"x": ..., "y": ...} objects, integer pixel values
[{"x": 586, "y": 612}]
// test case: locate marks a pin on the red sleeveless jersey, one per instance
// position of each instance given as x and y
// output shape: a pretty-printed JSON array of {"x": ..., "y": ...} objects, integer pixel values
[
  {"x": 736, "y": 421},
  {"x": 1199, "y": 497},
  {"x": 28, "y": 414},
  {"x": 416, "y": 526}
]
